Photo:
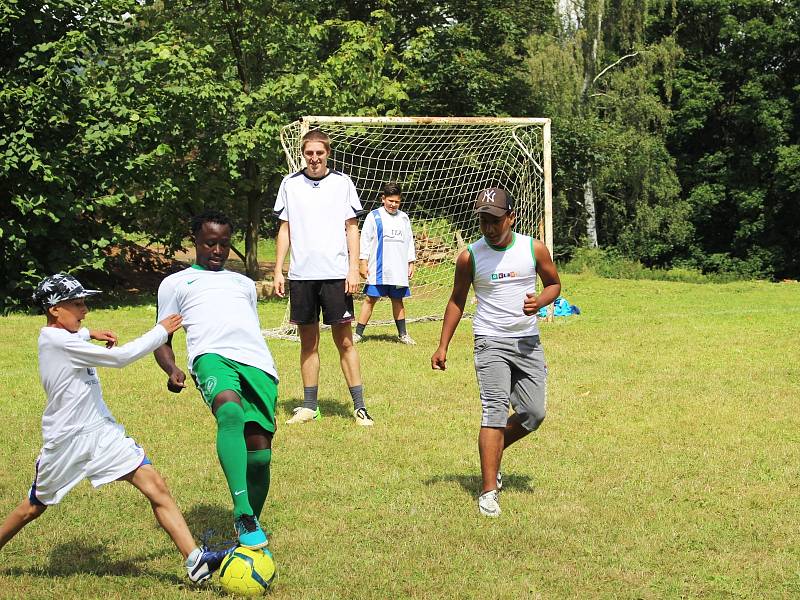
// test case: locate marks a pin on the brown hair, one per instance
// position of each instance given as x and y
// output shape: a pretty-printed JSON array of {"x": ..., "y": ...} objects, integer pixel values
[
  {"x": 391, "y": 188},
  {"x": 316, "y": 135}
]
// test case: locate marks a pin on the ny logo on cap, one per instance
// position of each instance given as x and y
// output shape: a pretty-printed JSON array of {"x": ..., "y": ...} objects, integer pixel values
[{"x": 488, "y": 195}]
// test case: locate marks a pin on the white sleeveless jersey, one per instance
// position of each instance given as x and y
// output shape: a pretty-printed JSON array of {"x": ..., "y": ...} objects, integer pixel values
[
  {"x": 219, "y": 315},
  {"x": 501, "y": 277}
]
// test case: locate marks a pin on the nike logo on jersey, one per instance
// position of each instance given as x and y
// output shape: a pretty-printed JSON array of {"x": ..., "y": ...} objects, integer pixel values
[
  {"x": 191, "y": 282},
  {"x": 239, "y": 492}
]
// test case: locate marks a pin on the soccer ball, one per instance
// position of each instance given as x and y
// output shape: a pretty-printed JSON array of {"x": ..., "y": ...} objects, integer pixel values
[{"x": 246, "y": 572}]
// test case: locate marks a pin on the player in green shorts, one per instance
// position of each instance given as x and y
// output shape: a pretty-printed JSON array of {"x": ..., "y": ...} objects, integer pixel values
[{"x": 231, "y": 365}]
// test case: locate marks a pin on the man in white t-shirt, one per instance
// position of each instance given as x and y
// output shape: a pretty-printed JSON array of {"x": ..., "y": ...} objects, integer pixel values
[
  {"x": 509, "y": 361},
  {"x": 387, "y": 260},
  {"x": 318, "y": 208},
  {"x": 230, "y": 364}
]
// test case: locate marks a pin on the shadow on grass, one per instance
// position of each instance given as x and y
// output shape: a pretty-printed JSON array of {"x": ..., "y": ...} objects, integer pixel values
[
  {"x": 328, "y": 408},
  {"x": 79, "y": 558},
  {"x": 380, "y": 337},
  {"x": 472, "y": 483},
  {"x": 211, "y": 524}
]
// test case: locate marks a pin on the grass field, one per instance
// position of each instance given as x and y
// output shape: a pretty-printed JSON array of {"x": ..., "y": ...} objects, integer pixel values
[{"x": 668, "y": 465}]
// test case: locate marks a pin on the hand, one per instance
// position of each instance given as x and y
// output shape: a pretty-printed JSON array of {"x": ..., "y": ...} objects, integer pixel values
[
  {"x": 104, "y": 335},
  {"x": 279, "y": 284},
  {"x": 439, "y": 359},
  {"x": 410, "y": 270},
  {"x": 171, "y": 323},
  {"x": 531, "y": 304},
  {"x": 363, "y": 272},
  {"x": 176, "y": 381},
  {"x": 351, "y": 283}
]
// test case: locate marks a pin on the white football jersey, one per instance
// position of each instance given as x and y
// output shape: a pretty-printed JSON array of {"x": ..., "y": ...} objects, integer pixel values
[
  {"x": 387, "y": 242},
  {"x": 219, "y": 310},
  {"x": 316, "y": 210}
]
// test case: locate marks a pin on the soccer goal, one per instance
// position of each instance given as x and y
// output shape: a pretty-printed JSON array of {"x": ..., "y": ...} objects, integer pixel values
[{"x": 441, "y": 163}]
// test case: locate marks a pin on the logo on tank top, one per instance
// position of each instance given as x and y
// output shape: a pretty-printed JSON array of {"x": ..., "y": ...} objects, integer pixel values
[{"x": 497, "y": 276}]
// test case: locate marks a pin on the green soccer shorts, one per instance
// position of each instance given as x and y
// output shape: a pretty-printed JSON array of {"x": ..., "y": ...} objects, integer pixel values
[{"x": 257, "y": 391}]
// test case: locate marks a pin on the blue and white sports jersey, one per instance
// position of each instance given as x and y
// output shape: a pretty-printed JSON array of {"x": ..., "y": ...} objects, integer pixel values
[{"x": 387, "y": 242}]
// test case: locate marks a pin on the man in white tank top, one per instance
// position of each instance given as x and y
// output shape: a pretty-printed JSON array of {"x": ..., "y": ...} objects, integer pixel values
[{"x": 502, "y": 267}]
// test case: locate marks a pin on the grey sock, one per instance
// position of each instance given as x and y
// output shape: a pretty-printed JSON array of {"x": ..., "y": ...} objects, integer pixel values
[
  {"x": 310, "y": 397},
  {"x": 360, "y": 328},
  {"x": 357, "y": 393},
  {"x": 401, "y": 326}
]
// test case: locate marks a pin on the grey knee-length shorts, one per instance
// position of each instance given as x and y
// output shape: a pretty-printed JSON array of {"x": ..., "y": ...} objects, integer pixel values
[{"x": 511, "y": 373}]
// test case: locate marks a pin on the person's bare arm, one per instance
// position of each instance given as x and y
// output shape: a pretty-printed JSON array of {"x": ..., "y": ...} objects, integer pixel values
[
  {"x": 454, "y": 310},
  {"x": 281, "y": 248},
  {"x": 353, "y": 241},
  {"x": 551, "y": 283},
  {"x": 165, "y": 357}
]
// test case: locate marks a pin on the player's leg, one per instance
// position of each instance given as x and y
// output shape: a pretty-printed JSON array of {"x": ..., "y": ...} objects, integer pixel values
[
  {"x": 528, "y": 389},
  {"x": 260, "y": 395},
  {"x": 337, "y": 311},
  {"x": 25, "y": 512},
  {"x": 259, "y": 458},
  {"x": 200, "y": 562},
  {"x": 367, "y": 306},
  {"x": 399, "y": 314},
  {"x": 494, "y": 380},
  {"x": 304, "y": 312}
]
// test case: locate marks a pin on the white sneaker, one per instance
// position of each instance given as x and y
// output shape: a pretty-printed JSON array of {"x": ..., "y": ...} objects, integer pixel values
[
  {"x": 357, "y": 337},
  {"x": 406, "y": 339},
  {"x": 302, "y": 414},
  {"x": 488, "y": 505},
  {"x": 363, "y": 418}
]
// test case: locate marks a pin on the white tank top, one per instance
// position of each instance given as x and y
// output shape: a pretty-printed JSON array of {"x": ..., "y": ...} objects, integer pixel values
[{"x": 501, "y": 277}]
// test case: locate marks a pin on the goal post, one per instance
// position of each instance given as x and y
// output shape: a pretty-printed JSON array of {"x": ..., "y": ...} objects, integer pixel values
[{"x": 441, "y": 163}]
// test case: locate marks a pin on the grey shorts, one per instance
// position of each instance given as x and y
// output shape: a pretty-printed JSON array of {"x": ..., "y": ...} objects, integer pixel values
[{"x": 511, "y": 372}]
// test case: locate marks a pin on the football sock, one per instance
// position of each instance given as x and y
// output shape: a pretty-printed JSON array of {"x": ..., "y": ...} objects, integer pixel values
[
  {"x": 232, "y": 453},
  {"x": 357, "y": 393},
  {"x": 401, "y": 326},
  {"x": 310, "y": 397},
  {"x": 258, "y": 462},
  {"x": 360, "y": 328}
]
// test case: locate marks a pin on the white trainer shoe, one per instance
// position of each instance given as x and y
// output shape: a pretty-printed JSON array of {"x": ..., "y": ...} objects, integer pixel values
[
  {"x": 362, "y": 417},
  {"x": 488, "y": 504},
  {"x": 357, "y": 337},
  {"x": 302, "y": 415},
  {"x": 406, "y": 339}
]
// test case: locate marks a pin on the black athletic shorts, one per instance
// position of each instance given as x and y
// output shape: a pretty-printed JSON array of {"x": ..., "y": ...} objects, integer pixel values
[{"x": 307, "y": 297}]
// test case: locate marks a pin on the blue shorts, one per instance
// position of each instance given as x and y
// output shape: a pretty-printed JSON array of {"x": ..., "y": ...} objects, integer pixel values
[{"x": 393, "y": 291}]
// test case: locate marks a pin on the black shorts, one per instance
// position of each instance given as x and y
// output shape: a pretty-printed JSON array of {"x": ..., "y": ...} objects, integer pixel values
[{"x": 307, "y": 297}]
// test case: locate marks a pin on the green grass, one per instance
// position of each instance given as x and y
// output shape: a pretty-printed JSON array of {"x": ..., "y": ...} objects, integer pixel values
[{"x": 667, "y": 467}]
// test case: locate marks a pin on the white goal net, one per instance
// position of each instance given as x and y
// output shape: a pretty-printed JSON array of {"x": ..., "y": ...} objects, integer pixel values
[{"x": 441, "y": 163}]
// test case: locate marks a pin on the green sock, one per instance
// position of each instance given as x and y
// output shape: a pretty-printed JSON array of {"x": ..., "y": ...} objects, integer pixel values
[
  {"x": 258, "y": 462},
  {"x": 232, "y": 453}
]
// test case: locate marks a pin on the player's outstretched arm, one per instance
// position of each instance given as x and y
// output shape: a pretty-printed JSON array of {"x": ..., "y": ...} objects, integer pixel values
[
  {"x": 281, "y": 248},
  {"x": 84, "y": 354},
  {"x": 104, "y": 335},
  {"x": 551, "y": 282},
  {"x": 454, "y": 310}
]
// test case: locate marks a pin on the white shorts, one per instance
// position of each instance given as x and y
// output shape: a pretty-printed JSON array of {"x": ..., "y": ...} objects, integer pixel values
[{"x": 102, "y": 454}]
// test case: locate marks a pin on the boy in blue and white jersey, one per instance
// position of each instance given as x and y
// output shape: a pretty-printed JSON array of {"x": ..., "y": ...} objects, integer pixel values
[
  {"x": 509, "y": 361},
  {"x": 81, "y": 439},
  {"x": 386, "y": 260}
]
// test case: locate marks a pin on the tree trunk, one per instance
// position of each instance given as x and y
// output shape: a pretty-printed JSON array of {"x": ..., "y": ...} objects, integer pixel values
[
  {"x": 591, "y": 220},
  {"x": 253, "y": 221}
]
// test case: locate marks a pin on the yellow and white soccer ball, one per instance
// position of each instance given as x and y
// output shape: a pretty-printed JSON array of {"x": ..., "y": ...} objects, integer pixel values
[{"x": 246, "y": 572}]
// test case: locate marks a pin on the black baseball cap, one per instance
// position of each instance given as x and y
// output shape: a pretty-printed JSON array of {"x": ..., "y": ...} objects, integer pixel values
[
  {"x": 494, "y": 201},
  {"x": 59, "y": 287}
]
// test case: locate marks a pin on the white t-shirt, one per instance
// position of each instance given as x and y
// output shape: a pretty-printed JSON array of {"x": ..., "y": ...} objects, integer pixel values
[
  {"x": 501, "y": 277},
  {"x": 67, "y": 364},
  {"x": 219, "y": 315},
  {"x": 316, "y": 210},
  {"x": 388, "y": 242}
]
